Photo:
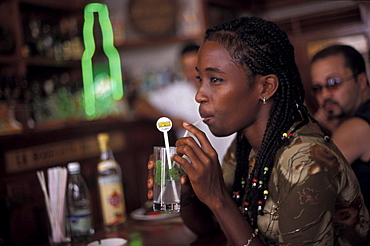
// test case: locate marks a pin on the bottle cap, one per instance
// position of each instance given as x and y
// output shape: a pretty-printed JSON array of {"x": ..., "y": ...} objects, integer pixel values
[
  {"x": 73, "y": 167},
  {"x": 103, "y": 139}
]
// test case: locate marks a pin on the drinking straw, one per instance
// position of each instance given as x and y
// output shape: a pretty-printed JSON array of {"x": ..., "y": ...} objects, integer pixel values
[
  {"x": 62, "y": 183},
  {"x": 54, "y": 201},
  {"x": 163, "y": 178},
  {"x": 41, "y": 177},
  {"x": 194, "y": 124},
  {"x": 52, "y": 178}
]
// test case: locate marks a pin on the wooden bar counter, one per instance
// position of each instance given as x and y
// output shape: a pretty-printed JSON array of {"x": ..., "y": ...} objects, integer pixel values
[
  {"x": 154, "y": 233},
  {"x": 162, "y": 232}
]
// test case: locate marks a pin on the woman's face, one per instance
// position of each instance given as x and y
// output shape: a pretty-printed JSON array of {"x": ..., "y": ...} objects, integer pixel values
[{"x": 227, "y": 102}]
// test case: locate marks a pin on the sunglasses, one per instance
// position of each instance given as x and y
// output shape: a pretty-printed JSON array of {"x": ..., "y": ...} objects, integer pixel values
[{"x": 331, "y": 84}]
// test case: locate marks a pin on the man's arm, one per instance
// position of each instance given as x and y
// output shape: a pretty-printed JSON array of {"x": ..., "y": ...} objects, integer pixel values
[{"x": 353, "y": 139}]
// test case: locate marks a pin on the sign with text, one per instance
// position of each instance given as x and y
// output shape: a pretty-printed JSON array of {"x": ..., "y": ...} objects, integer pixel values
[{"x": 58, "y": 153}]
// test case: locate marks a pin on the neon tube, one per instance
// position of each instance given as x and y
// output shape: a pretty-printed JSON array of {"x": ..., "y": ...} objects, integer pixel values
[{"x": 109, "y": 50}]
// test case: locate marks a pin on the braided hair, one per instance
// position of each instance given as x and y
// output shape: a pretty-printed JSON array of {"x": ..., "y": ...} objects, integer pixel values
[{"x": 263, "y": 48}]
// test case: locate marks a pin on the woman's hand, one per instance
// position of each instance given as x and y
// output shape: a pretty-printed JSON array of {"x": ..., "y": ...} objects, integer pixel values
[
  {"x": 150, "y": 182},
  {"x": 203, "y": 170}
]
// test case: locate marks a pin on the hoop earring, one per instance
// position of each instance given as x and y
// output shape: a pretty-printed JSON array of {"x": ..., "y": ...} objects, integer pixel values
[{"x": 264, "y": 100}]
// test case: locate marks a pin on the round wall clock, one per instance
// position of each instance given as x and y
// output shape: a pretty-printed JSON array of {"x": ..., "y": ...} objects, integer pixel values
[{"x": 153, "y": 18}]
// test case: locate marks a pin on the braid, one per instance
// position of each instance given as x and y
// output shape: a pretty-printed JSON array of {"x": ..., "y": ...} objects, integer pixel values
[
  {"x": 262, "y": 48},
  {"x": 243, "y": 149}
]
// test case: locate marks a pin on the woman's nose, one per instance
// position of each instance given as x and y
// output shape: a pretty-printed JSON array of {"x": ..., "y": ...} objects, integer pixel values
[{"x": 200, "y": 96}]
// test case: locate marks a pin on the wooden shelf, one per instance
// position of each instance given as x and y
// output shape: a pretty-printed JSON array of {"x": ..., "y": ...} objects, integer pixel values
[
  {"x": 70, "y": 5},
  {"x": 38, "y": 61},
  {"x": 49, "y": 62},
  {"x": 9, "y": 59},
  {"x": 142, "y": 43}
]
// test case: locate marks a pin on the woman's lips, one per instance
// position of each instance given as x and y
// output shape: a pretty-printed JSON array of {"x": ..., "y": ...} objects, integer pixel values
[
  {"x": 206, "y": 119},
  {"x": 205, "y": 116}
]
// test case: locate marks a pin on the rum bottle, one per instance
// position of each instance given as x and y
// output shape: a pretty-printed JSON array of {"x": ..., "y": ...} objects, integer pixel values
[{"x": 110, "y": 186}]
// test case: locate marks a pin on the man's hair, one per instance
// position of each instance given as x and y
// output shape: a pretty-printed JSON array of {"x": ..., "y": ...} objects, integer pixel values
[
  {"x": 352, "y": 58},
  {"x": 189, "y": 48}
]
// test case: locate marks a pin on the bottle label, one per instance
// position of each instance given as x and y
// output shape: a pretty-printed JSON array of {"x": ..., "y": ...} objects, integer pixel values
[
  {"x": 107, "y": 164},
  {"x": 112, "y": 200},
  {"x": 80, "y": 221}
]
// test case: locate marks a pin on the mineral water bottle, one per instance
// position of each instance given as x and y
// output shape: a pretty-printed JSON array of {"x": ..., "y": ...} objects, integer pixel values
[
  {"x": 110, "y": 186},
  {"x": 78, "y": 201}
]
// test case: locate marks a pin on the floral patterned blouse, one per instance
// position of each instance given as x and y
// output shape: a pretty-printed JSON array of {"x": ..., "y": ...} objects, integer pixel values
[{"x": 314, "y": 196}]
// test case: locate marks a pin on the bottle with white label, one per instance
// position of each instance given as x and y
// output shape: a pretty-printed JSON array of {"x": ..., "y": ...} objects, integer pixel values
[
  {"x": 78, "y": 200},
  {"x": 110, "y": 186}
]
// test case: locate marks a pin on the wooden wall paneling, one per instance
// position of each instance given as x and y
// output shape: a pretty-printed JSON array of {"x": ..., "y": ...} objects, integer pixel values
[
  {"x": 365, "y": 14},
  {"x": 26, "y": 210}
]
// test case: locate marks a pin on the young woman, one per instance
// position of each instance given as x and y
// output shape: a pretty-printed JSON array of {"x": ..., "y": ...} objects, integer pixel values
[{"x": 283, "y": 182}]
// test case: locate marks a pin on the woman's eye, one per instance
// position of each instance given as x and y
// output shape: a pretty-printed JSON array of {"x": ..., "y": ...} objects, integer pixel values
[
  {"x": 215, "y": 80},
  {"x": 198, "y": 78}
]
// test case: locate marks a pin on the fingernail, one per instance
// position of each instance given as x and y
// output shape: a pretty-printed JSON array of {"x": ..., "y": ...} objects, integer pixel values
[{"x": 186, "y": 123}]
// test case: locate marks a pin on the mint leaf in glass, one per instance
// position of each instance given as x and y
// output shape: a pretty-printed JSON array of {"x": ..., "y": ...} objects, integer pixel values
[{"x": 175, "y": 172}]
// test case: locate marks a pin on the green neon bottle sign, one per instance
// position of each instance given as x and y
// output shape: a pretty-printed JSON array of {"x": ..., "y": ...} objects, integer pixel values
[{"x": 109, "y": 50}]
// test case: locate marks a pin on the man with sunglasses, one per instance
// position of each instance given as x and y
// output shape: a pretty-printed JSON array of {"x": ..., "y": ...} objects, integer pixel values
[{"x": 341, "y": 87}]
